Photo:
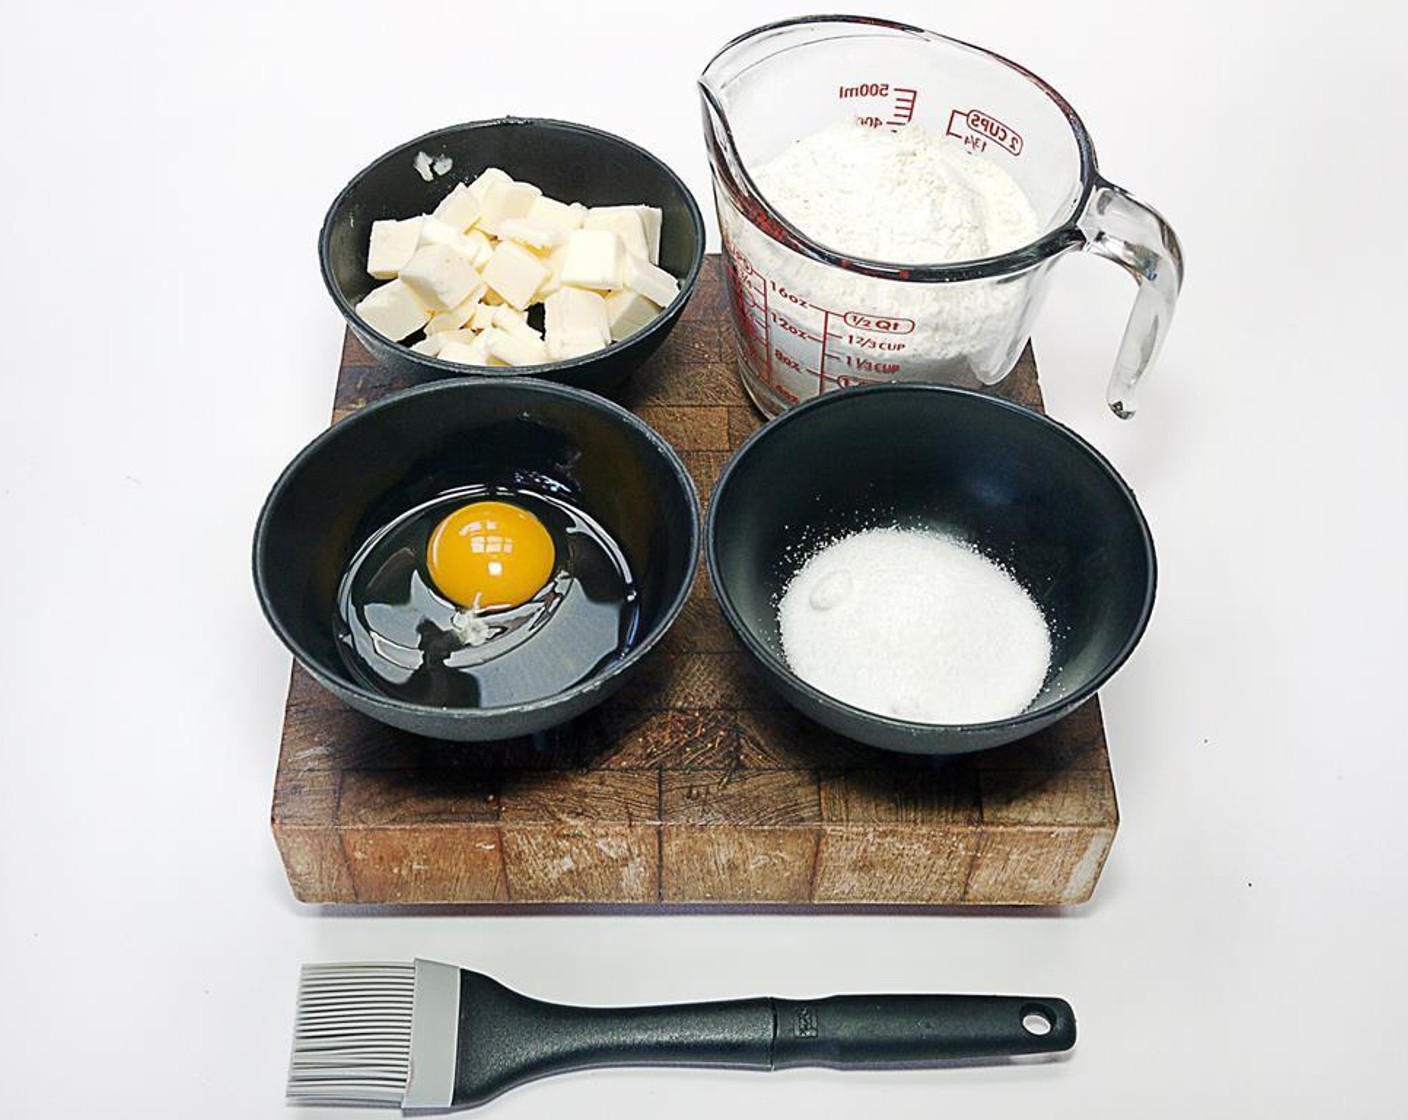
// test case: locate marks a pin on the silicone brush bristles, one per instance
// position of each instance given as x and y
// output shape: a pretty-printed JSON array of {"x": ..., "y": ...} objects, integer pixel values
[{"x": 352, "y": 1034}]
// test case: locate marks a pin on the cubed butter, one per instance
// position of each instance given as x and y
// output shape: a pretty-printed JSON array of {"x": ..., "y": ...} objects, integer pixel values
[
  {"x": 506, "y": 200},
  {"x": 393, "y": 243},
  {"x": 655, "y": 284},
  {"x": 474, "y": 243},
  {"x": 464, "y": 336},
  {"x": 527, "y": 232},
  {"x": 595, "y": 258},
  {"x": 435, "y": 232},
  {"x": 627, "y": 311},
  {"x": 459, "y": 209},
  {"x": 440, "y": 275},
  {"x": 429, "y": 345},
  {"x": 475, "y": 353},
  {"x": 563, "y": 347},
  {"x": 514, "y": 322},
  {"x": 483, "y": 317},
  {"x": 458, "y": 315},
  {"x": 393, "y": 310},
  {"x": 556, "y": 215},
  {"x": 515, "y": 349},
  {"x": 576, "y": 311},
  {"x": 514, "y": 273},
  {"x": 554, "y": 278},
  {"x": 486, "y": 179},
  {"x": 651, "y": 218},
  {"x": 481, "y": 258},
  {"x": 625, "y": 222}
]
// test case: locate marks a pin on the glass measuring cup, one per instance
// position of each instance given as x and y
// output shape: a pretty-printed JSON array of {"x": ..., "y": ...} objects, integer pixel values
[{"x": 808, "y": 318}]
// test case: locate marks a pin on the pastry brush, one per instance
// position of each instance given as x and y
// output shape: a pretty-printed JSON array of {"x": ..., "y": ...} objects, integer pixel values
[{"x": 434, "y": 1036}]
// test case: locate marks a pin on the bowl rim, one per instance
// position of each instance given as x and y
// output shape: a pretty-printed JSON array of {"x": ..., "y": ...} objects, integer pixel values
[
  {"x": 661, "y": 322},
  {"x": 1031, "y": 717},
  {"x": 529, "y": 385}
]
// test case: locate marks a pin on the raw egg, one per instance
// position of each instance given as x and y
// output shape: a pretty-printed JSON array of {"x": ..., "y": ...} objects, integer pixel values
[
  {"x": 490, "y": 556},
  {"x": 556, "y": 599}
]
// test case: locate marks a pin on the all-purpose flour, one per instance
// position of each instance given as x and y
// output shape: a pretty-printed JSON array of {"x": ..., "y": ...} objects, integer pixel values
[
  {"x": 904, "y": 197},
  {"x": 916, "y": 626}
]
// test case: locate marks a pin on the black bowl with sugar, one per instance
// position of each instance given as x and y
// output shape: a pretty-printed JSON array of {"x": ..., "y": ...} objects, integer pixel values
[{"x": 1024, "y": 490}]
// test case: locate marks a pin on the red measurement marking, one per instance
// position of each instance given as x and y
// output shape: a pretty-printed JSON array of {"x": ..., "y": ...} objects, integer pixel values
[
  {"x": 850, "y": 381},
  {"x": 767, "y": 338},
  {"x": 821, "y": 362},
  {"x": 881, "y": 324},
  {"x": 977, "y": 129},
  {"x": 903, "y": 111}
]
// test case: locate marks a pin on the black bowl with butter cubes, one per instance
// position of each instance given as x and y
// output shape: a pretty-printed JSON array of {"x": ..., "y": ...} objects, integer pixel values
[{"x": 513, "y": 247}]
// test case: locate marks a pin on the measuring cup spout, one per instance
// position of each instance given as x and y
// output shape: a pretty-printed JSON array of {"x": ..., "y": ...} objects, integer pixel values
[{"x": 1118, "y": 226}]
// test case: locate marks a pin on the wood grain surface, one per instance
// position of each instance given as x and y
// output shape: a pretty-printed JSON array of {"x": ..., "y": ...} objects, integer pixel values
[{"x": 695, "y": 784}]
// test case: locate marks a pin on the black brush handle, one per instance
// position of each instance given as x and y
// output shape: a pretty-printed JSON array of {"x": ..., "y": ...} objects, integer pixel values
[
  {"x": 857, "y": 1032},
  {"x": 506, "y": 1039}
]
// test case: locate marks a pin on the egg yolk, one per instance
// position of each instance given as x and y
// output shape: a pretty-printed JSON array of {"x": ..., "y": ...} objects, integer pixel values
[{"x": 490, "y": 555}]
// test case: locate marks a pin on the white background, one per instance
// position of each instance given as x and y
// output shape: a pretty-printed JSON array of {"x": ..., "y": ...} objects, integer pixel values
[{"x": 169, "y": 346}]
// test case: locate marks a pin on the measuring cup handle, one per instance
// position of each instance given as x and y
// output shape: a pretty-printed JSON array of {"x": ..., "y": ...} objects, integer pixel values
[{"x": 1118, "y": 226}]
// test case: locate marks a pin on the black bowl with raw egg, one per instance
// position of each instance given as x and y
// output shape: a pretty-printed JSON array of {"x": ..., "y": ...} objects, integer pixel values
[
  {"x": 569, "y": 162},
  {"x": 478, "y": 559},
  {"x": 1017, "y": 487}
]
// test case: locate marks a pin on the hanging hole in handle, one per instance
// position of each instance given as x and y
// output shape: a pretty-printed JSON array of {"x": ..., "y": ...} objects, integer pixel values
[{"x": 1037, "y": 1020}]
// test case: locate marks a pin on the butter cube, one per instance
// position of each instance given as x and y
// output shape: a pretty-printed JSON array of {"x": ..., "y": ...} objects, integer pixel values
[
  {"x": 527, "y": 232},
  {"x": 487, "y": 178},
  {"x": 393, "y": 310},
  {"x": 429, "y": 345},
  {"x": 435, "y": 232},
  {"x": 514, "y": 273},
  {"x": 595, "y": 258},
  {"x": 651, "y": 218},
  {"x": 553, "y": 261},
  {"x": 463, "y": 336},
  {"x": 458, "y": 315},
  {"x": 514, "y": 322},
  {"x": 655, "y": 284},
  {"x": 475, "y": 353},
  {"x": 483, "y": 317},
  {"x": 556, "y": 215},
  {"x": 515, "y": 349},
  {"x": 625, "y": 222},
  {"x": 506, "y": 200},
  {"x": 561, "y": 348},
  {"x": 473, "y": 243},
  {"x": 459, "y": 209},
  {"x": 440, "y": 275},
  {"x": 393, "y": 243},
  {"x": 627, "y": 311},
  {"x": 576, "y": 311}
]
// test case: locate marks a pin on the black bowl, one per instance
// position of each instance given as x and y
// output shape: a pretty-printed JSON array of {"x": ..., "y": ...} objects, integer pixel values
[
  {"x": 1027, "y": 491},
  {"x": 570, "y": 162},
  {"x": 363, "y": 472}
]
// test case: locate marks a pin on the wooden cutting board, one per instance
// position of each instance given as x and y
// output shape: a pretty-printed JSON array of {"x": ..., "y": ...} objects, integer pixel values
[{"x": 694, "y": 784}]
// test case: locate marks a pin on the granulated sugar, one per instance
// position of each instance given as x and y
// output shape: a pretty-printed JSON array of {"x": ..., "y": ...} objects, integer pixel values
[{"x": 916, "y": 626}]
